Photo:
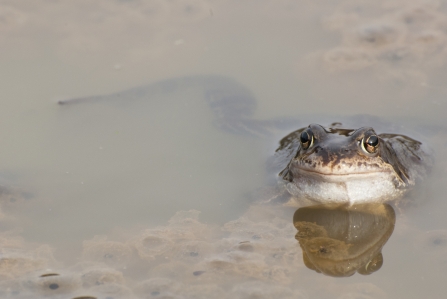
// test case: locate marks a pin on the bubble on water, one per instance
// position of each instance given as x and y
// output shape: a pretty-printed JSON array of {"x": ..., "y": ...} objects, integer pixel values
[
  {"x": 65, "y": 283},
  {"x": 183, "y": 238},
  {"x": 160, "y": 286},
  {"x": 100, "y": 276},
  {"x": 112, "y": 253}
]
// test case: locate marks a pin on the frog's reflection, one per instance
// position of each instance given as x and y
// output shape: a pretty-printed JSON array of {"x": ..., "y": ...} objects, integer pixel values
[{"x": 342, "y": 240}]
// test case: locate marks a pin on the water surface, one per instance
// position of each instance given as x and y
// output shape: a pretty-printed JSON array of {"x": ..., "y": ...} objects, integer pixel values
[{"x": 109, "y": 193}]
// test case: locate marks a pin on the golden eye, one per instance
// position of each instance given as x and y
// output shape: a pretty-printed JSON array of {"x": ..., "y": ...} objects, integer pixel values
[
  {"x": 370, "y": 144},
  {"x": 306, "y": 139}
]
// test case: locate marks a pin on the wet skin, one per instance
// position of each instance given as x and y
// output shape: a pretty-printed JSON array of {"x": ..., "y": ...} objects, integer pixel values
[{"x": 336, "y": 165}]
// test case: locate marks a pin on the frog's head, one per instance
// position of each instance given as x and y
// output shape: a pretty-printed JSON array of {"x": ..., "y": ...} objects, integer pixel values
[{"x": 341, "y": 165}]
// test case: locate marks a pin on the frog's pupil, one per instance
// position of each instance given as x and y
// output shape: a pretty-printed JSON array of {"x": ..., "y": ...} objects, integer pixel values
[
  {"x": 373, "y": 141},
  {"x": 304, "y": 138}
]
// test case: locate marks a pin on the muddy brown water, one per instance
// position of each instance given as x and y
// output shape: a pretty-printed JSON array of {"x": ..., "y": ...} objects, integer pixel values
[{"x": 150, "y": 199}]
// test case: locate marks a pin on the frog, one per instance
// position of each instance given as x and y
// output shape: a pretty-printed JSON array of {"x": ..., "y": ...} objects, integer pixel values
[
  {"x": 333, "y": 164},
  {"x": 316, "y": 164}
]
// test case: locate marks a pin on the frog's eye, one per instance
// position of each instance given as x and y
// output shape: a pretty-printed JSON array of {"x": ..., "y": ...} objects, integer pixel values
[
  {"x": 370, "y": 143},
  {"x": 306, "y": 139},
  {"x": 372, "y": 266}
]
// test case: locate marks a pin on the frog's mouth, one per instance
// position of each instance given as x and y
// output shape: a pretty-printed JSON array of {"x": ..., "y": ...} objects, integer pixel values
[{"x": 330, "y": 175}]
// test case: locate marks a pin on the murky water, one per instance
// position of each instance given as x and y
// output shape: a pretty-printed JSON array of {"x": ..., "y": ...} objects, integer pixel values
[{"x": 157, "y": 196}]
